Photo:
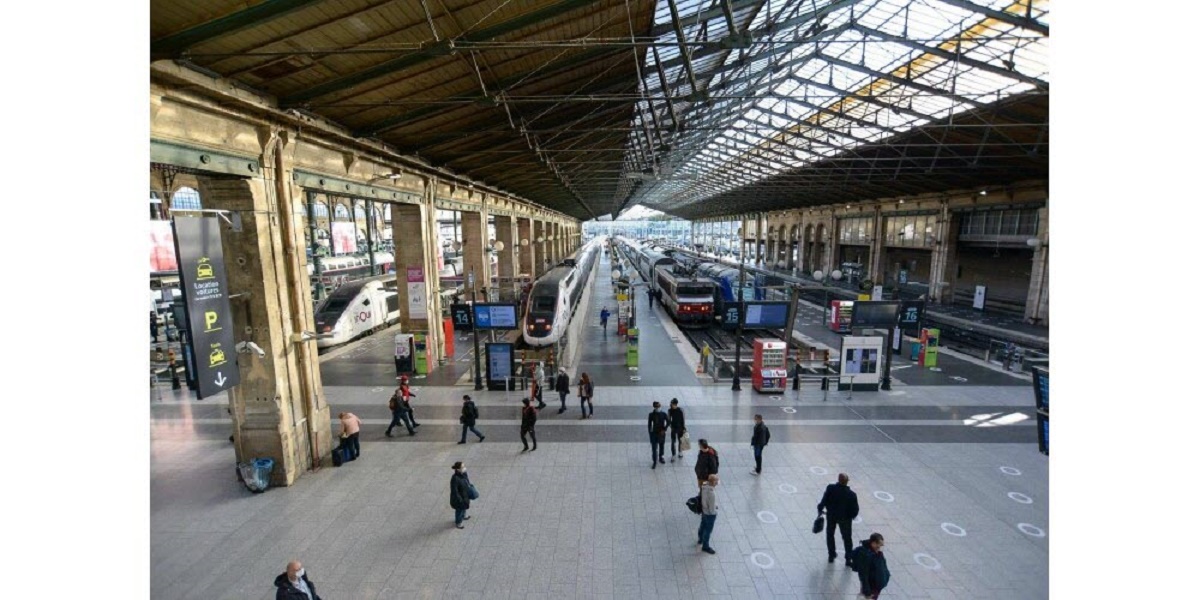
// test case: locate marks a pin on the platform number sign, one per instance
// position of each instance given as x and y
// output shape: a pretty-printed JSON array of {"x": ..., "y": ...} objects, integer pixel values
[
  {"x": 206, "y": 301},
  {"x": 732, "y": 314},
  {"x": 1041, "y": 398},
  {"x": 911, "y": 312},
  {"x": 461, "y": 315}
]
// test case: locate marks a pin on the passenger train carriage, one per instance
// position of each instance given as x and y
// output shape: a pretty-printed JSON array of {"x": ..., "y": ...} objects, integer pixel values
[
  {"x": 554, "y": 296},
  {"x": 357, "y": 308},
  {"x": 687, "y": 297}
]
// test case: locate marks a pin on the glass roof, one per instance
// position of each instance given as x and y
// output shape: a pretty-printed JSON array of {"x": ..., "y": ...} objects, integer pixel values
[{"x": 809, "y": 79}]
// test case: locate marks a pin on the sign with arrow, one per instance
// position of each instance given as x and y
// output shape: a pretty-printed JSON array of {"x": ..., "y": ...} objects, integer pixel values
[{"x": 206, "y": 299}]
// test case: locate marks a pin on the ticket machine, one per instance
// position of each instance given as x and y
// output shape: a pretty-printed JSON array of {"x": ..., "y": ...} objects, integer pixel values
[{"x": 770, "y": 366}]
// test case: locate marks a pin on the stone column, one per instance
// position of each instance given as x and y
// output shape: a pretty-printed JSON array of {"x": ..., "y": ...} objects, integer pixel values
[
  {"x": 1037, "y": 302},
  {"x": 278, "y": 409},
  {"x": 875, "y": 261},
  {"x": 475, "y": 256},
  {"x": 525, "y": 232},
  {"x": 419, "y": 311},
  {"x": 944, "y": 260},
  {"x": 506, "y": 233}
]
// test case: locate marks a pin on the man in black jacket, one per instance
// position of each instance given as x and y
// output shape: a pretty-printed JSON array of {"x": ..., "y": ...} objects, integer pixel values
[
  {"x": 562, "y": 385},
  {"x": 707, "y": 462},
  {"x": 758, "y": 441},
  {"x": 469, "y": 414},
  {"x": 656, "y": 423},
  {"x": 873, "y": 574},
  {"x": 294, "y": 584},
  {"x": 528, "y": 418},
  {"x": 675, "y": 416},
  {"x": 840, "y": 505}
]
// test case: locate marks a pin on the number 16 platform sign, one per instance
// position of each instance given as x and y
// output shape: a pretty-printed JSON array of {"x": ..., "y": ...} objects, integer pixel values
[{"x": 206, "y": 296}]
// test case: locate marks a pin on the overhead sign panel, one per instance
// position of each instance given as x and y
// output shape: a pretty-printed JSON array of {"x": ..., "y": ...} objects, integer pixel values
[
  {"x": 495, "y": 316},
  {"x": 875, "y": 314},
  {"x": 206, "y": 296},
  {"x": 766, "y": 315}
]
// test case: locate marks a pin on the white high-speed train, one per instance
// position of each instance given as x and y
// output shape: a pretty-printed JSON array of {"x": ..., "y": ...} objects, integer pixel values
[
  {"x": 554, "y": 296},
  {"x": 357, "y": 308}
]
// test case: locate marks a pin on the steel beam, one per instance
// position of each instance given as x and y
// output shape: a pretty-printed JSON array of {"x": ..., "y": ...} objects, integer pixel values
[
  {"x": 1006, "y": 17},
  {"x": 172, "y": 46},
  {"x": 388, "y": 67}
]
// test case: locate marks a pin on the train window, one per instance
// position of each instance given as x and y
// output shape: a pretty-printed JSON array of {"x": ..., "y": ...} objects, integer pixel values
[
  {"x": 335, "y": 305},
  {"x": 366, "y": 301},
  {"x": 543, "y": 303}
]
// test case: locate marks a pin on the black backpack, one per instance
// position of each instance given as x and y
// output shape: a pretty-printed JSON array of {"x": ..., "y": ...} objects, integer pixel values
[
  {"x": 858, "y": 558},
  {"x": 693, "y": 505}
]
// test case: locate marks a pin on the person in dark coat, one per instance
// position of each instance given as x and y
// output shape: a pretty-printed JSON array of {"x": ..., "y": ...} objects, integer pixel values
[
  {"x": 562, "y": 385},
  {"x": 758, "y": 441},
  {"x": 406, "y": 396},
  {"x": 707, "y": 463},
  {"x": 675, "y": 416},
  {"x": 293, "y": 584},
  {"x": 399, "y": 414},
  {"x": 873, "y": 573},
  {"x": 840, "y": 505},
  {"x": 469, "y": 414},
  {"x": 153, "y": 327},
  {"x": 528, "y": 419},
  {"x": 460, "y": 494},
  {"x": 656, "y": 424}
]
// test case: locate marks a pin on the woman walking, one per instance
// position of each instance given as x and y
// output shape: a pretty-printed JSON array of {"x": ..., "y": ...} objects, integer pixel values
[
  {"x": 460, "y": 494},
  {"x": 585, "y": 396},
  {"x": 528, "y": 419}
]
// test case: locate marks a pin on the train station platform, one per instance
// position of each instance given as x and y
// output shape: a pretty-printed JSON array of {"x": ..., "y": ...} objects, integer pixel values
[
  {"x": 603, "y": 355},
  {"x": 950, "y": 476}
]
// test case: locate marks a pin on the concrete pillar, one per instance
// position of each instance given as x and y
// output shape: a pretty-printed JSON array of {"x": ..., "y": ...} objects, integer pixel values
[
  {"x": 1037, "y": 302},
  {"x": 278, "y": 410},
  {"x": 875, "y": 262},
  {"x": 414, "y": 230},
  {"x": 538, "y": 249},
  {"x": 475, "y": 256},
  {"x": 944, "y": 258},
  {"x": 506, "y": 233},
  {"x": 525, "y": 233}
]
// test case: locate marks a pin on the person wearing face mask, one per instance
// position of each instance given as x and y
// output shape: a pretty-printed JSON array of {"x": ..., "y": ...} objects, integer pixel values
[
  {"x": 656, "y": 423},
  {"x": 293, "y": 584},
  {"x": 460, "y": 494}
]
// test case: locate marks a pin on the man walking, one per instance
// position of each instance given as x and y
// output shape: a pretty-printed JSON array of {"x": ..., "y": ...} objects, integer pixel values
[
  {"x": 293, "y": 584},
  {"x": 351, "y": 425},
  {"x": 840, "y": 505},
  {"x": 469, "y": 414},
  {"x": 657, "y": 425},
  {"x": 707, "y": 463},
  {"x": 562, "y": 385},
  {"x": 406, "y": 396},
  {"x": 708, "y": 513},
  {"x": 604, "y": 319},
  {"x": 675, "y": 416},
  {"x": 399, "y": 414},
  {"x": 758, "y": 441},
  {"x": 528, "y": 419},
  {"x": 873, "y": 574}
]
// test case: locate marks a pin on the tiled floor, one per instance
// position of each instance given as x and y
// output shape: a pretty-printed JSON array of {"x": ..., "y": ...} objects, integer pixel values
[{"x": 584, "y": 518}]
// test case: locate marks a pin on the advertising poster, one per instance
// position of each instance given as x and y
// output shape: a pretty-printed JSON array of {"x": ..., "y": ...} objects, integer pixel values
[
  {"x": 162, "y": 247},
  {"x": 861, "y": 360},
  {"x": 416, "y": 293},
  {"x": 344, "y": 241},
  {"x": 500, "y": 361},
  {"x": 980, "y": 297}
]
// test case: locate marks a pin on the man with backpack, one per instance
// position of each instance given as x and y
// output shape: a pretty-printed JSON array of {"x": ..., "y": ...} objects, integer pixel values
[
  {"x": 406, "y": 396},
  {"x": 868, "y": 561},
  {"x": 758, "y": 441},
  {"x": 562, "y": 385},
  {"x": 528, "y": 419},
  {"x": 656, "y": 423},
  {"x": 840, "y": 504},
  {"x": 398, "y": 414},
  {"x": 469, "y": 415}
]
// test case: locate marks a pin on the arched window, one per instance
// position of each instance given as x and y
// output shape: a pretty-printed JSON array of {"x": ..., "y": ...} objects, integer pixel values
[
  {"x": 185, "y": 198},
  {"x": 359, "y": 213},
  {"x": 341, "y": 212},
  {"x": 320, "y": 210}
]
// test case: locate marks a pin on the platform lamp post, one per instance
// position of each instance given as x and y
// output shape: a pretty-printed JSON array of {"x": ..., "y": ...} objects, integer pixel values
[
  {"x": 474, "y": 331},
  {"x": 737, "y": 346}
]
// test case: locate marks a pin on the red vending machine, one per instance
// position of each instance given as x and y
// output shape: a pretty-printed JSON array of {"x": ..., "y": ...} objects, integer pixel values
[
  {"x": 770, "y": 366},
  {"x": 840, "y": 313}
]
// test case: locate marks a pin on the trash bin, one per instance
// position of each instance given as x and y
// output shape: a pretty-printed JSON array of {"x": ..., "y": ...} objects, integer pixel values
[{"x": 256, "y": 474}]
